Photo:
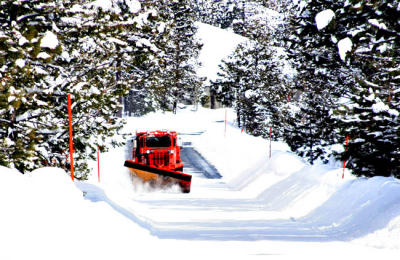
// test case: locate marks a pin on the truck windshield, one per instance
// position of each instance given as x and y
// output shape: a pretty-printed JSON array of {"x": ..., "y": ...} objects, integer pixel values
[{"x": 162, "y": 141}]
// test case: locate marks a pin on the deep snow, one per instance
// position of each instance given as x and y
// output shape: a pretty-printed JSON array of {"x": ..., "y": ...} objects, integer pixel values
[
  {"x": 275, "y": 208},
  {"x": 279, "y": 206}
]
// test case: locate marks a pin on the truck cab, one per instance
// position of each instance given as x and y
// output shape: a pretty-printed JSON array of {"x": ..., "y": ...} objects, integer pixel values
[{"x": 158, "y": 149}]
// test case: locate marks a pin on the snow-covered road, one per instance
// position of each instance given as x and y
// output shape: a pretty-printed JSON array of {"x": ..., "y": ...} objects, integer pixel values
[{"x": 258, "y": 198}]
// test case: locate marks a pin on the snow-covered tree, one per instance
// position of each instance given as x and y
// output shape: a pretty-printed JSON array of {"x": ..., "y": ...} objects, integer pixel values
[
  {"x": 100, "y": 54},
  {"x": 371, "y": 116},
  {"x": 28, "y": 46},
  {"x": 177, "y": 79},
  {"x": 151, "y": 26},
  {"x": 320, "y": 80},
  {"x": 348, "y": 52},
  {"x": 222, "y": 13},
  {"x": 51, "y": 48},
  {"x": 251, "y": 81}
]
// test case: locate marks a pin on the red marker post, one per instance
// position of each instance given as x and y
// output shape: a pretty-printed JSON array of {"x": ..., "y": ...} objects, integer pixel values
[
  {"x": 71, "y": 146},
  {"x": 270, "y": 141},
  {"x": 98, "y": 163},
  {"x": 344, "y": 163}
]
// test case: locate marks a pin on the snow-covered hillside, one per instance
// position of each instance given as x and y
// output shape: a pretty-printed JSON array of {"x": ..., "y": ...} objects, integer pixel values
[
  {"x": 217, "y": 45},
  {"x": 261, "y": 206}
]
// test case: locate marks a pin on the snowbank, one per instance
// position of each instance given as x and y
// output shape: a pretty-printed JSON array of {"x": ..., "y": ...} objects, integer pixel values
[
  {"x": 278, "y": 205},
  {"x": 45, "y": 216}
]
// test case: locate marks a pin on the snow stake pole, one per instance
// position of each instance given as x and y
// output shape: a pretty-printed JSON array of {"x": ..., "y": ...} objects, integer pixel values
[
  {"x": 270, "y": 141},
  {"x": 71, "y": 147},
  {"x": 344, "y": 162},
  {"x": 98, "y": 163}
]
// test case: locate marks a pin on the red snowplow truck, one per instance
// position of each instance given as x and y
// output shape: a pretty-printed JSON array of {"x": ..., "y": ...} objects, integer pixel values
[{"x": 156, "y": 159}]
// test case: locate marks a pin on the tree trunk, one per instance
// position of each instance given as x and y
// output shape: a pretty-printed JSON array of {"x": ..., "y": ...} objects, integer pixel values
[{"x": 212, "y": 99}]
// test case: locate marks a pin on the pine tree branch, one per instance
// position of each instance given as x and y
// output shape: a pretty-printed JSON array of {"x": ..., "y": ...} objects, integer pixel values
[{"x": 4, "y": 120}]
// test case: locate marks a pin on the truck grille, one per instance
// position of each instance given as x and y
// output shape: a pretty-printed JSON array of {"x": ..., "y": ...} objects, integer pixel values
[{"x": 160, "y": 158}]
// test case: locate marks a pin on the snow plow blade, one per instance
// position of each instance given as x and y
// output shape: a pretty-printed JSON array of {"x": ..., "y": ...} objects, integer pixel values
[{"x": 158, "y": 175}]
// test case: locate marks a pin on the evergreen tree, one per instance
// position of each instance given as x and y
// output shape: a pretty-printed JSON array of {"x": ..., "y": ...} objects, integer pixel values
[
  {"x": 371, "y": 116},
  {"x": 51, "y": 48},
  {"x": 100, "y": 54},
  {"x": 356, "y": 56},
  {"x": 282, "y": 6},
  {"x": 28, "y": 45},
  {"x": 177, "y": 79},
  {"x": 143, "y": 95},
  {"x": 251, "y": 80},
  {"x": 239, "y": 24},
  {"x": 227, "y": 12},
  {"x": 320, "y": 80},
  {"x": 222, "y": 13}
]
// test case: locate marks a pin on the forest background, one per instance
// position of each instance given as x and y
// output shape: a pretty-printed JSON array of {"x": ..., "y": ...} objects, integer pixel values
[{"x": 126, "y": 58}]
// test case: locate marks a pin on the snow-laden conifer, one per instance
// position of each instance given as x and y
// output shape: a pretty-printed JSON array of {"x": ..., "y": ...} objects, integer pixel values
[{"x": 51, "y": 48}]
